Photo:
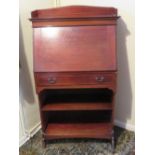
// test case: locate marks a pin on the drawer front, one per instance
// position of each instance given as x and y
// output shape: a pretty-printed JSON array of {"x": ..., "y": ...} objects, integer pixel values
[{"x": 62, "y": 79}]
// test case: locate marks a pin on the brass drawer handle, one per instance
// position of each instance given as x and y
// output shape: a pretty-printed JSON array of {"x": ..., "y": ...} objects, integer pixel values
[
  {"x": 100, "y": 78},
  {"x": 51, "y": 80}
]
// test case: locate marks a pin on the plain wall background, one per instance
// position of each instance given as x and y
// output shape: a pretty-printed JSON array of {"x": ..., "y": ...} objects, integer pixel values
[{"x": 125, "y": 106}]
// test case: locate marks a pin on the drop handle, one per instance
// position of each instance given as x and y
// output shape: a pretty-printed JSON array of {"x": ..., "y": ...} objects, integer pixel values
[
  {"x": 51, "y": 80},
  {"x": 100, "y": 78}
]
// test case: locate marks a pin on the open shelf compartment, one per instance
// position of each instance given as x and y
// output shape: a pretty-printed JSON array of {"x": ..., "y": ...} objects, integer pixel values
[
  {"x": 72, "y": 130},
  {"x": 76, "y": 99},
  {"x": 77, "y": 113},
  {"x": 78, "y": 124}
]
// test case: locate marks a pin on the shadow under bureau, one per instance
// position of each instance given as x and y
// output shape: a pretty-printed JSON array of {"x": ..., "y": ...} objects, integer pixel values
[{"x": 75, "y": 70}]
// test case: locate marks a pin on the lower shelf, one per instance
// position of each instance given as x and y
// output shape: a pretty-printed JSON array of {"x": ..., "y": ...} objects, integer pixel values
[
  {"x": 79, "y": 130},
  {"x": 77, "y": 106}
]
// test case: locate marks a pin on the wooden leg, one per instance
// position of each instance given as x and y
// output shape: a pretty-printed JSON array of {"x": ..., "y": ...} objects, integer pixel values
[
  {"x": 44, "y": 143},
  {"x": 43, "y": 140},
  {"x": 113, "y": 142}
]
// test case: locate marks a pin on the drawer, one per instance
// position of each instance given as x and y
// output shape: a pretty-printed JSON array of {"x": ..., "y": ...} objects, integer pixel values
[{"x": 47, "y": 79}]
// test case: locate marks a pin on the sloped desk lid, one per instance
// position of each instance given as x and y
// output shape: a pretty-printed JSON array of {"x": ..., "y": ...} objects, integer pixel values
[{"x": 77, "y": 48}]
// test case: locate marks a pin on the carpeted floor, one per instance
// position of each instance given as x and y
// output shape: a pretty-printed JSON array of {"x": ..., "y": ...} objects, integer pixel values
[{"x": 125, "y": 144}]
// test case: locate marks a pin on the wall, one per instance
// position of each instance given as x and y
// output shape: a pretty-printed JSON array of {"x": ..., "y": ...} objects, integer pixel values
[
  {"x": 29, "y": 121},
  {"x": 125, "y": 105}
]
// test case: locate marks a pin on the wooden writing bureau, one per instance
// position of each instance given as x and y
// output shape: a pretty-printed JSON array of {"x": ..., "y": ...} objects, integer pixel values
[{"x": 75, "y": 70}]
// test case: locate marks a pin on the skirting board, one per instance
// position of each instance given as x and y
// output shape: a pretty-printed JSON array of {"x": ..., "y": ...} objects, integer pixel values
[
  {"x": 29, "y": 134},
  {"x": 124, "y": 125},
  {"x": 34, "y": 130},
  {"x": 23, "y": 140}
]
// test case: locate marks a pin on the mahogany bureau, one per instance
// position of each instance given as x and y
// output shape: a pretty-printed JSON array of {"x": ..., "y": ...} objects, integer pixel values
[{"x": 75, "y": 71}]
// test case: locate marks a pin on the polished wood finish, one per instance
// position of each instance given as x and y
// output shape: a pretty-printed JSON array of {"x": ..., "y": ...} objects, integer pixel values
[
  {"x": 50, "y": 44},
  {"x": 87, "y": 130},
  {"x": 74, "y": 12},
  {"x": 75, "y": 70},
  {"x": 74, "y": 16},
  {"x": 77, "y": 106},
  {"x": 65, "y": 23},
  {"x": 86, "y": 78}
]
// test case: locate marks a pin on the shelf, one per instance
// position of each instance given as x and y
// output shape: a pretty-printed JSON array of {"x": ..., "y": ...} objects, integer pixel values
[
  {"x": 77, "y": 113},
  {"x": 78, "y": 130},
  {"x": 76, "y": 106}
]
